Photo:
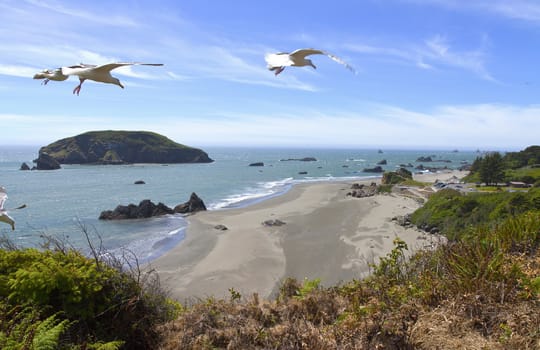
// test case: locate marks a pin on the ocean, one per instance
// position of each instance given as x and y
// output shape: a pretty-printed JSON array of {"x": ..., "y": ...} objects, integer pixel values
[{"x": 61, "y": 202}]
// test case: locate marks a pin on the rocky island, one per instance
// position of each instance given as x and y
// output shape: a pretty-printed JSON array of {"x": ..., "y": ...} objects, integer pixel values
[{"x": 120, "y": 147}]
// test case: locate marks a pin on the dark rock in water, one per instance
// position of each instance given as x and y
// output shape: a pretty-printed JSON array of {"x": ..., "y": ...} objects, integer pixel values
[
  {"x": 302, "y": 172},
  {"x": 221, "y": 227},
  {"x": 257, "y": 164},
  {"x": 46, "y": 162},
  {"x": 24, "y": 166},
  {"x": 305, "y": 159},
  {"x": 139, "y": 182},
  {"x": 377, "y": 169},
  {"x": 361, "y": 190},
  {"x": 382, "y": 162},
  {"x": 122, "y": 147},
  {"x": 424, "y": 159},
  {"x": 145, "y": 209},
  {"x": 408, "y": 165},
  {"x": 194, "y": 204}
]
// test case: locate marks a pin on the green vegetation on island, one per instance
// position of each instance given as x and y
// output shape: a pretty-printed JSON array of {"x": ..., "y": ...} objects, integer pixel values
[{"x": 119, "y": 147}]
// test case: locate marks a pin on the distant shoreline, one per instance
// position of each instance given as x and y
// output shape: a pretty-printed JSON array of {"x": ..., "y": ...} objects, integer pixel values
[{"x": 326, "y": 234}]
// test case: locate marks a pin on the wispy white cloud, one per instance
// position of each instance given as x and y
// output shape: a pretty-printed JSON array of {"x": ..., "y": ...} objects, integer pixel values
[
  {"x": 105, "y": 18},
  {"x": 524, "y": 10},
  {"x": 527, "y": 10},
  {"x": 470, "y": 126},
  {"x": 434, "y": 53},
  {"x": 17, "y": 71},
  {"x": 485, "y": 126},
  {"x": 440, "y": 51}
]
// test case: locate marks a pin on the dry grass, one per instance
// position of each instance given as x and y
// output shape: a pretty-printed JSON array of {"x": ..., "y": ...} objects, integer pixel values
[{"x": 475, "y": 294}]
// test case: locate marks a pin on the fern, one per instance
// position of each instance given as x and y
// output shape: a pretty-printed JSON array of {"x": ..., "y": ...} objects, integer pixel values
[
  {"x": 48, "y": 333},
  {"x": 21, "y": 328}
]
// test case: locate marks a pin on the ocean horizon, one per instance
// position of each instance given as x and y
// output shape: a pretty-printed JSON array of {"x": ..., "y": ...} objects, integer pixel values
[{"x": 61, "y": 203}]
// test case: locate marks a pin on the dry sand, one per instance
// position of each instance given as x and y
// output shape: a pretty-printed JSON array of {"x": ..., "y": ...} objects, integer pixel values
[{"x": 326, "y": 234}]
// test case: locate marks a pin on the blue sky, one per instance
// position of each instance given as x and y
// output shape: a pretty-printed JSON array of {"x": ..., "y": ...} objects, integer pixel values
[{"x": 439, "y": 74}]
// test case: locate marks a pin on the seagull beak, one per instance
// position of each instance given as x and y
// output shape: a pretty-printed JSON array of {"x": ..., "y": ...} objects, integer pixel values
[{"x": 314, "y": 67}]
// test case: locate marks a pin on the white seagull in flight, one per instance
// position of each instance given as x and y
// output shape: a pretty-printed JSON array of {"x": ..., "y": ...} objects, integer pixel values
[
  {"x": 4, "y": 217},
  {"x": 101, "y": 73},
  {"x": 56, "y": 74},
  {"x": 278, "y": 61}
]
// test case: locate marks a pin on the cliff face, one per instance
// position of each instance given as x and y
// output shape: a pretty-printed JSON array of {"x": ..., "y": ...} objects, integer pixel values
[{"x": 119, "y": 147}]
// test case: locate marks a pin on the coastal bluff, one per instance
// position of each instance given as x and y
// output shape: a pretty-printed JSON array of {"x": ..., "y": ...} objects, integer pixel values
[{"x": 121, "y": 147}]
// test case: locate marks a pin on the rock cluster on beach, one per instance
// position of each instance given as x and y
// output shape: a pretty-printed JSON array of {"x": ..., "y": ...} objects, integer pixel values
[
  {"x": 361, "y": 190},
  {"x": 405, "y": 221},
  {"x": 273, "y": 222},
  {"x": 146, "y": 209}
]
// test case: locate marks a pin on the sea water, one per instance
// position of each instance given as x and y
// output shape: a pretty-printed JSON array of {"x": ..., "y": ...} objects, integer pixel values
[{"x": 63, "y": 203}]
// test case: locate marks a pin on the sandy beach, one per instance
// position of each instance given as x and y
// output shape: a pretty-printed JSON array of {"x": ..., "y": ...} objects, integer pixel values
[{"x": 325, "y": 234}]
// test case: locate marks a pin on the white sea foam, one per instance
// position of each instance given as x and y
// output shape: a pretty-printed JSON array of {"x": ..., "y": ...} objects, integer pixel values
[
  {"x": 153, "y": 245},
  {"x": 261, "y": 191}
]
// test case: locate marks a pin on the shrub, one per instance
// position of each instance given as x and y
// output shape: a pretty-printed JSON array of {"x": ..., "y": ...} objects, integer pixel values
[
  {"x": 453, "y": 213},
  {"x": 100, "y": 302}
]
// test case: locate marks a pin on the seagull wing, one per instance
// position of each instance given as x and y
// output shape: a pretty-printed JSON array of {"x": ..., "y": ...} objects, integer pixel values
[
  {"x": 104, "y": 68},
  {"x": 110, "y": 66},
  {"x": 4, "y": 217},
  {"x": 339, "y": 60},
  {"x": 302, "y": 53},
  {"x": 83, "y": 65},
  {"x": 3, "y": 197}
]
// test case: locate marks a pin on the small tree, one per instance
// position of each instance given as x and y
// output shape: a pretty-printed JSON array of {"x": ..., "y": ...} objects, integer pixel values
[{"x": 491, "y": 168}]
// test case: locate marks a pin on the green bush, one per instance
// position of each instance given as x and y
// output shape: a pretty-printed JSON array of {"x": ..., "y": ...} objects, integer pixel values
[
  {"x": 100, "y": 302},
  {"x": 396, "y": 177},
  {"x": 453, "y": 212}
]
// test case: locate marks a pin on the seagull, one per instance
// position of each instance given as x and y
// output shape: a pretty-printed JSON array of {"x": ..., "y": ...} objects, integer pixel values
[
  {"x": 278, "y": 61},
  {"x": 4, "y": 217},
  {"x": 100, "y": 73},
  {"x": 56, "y": 74}
]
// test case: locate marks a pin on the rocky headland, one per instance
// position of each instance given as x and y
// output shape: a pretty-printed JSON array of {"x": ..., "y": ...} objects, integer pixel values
[{"x": 118, "y": 147}]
